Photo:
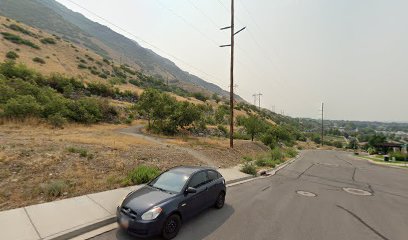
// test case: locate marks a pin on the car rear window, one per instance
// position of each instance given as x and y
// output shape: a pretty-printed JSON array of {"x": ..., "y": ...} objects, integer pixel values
[{"x": 198, "y": 180}]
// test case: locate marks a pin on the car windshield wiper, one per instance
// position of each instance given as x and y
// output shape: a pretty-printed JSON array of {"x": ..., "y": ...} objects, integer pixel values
[{"x": 161, "y": 189}]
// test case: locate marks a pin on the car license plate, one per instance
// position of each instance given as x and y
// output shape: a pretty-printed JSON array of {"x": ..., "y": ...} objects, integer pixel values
[{"x": 124, "y": 222}]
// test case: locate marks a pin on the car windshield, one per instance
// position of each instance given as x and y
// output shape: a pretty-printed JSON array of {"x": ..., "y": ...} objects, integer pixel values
[{"x": 170, "y": 181}]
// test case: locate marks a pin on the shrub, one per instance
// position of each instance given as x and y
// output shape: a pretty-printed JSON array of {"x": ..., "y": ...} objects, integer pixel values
[
  {"x": 117, "y": 81},
  {"x": 82, "y": 151},
  {"x": 38, "y": 60},
  {"x": 142, "y": 174},
  {"x": 247, "y": 158},
  {"x": 57, "y": 120},
  {"x": 48, "y": 41},
  {"x": 22, "y": 106},
  {"x": 338, "y": 144},
  {"x": 200, "y": 96},
  {"x": 12, "y": 55},
  {"x": 18, "y": 40},
  {"x": 82, "y": 66},
  {"x": 399, "y": 156},
  {"x": 17, "y": 28},
  {"x": 276, "y": 154},
  {"x": 54, "y": 188},
  {"x": 223, "y": 129},
  {"x": 248, "y": 168},
  {"x": 371, "y": 150},
  {"x": 261, "y": 162},
  {"x": 291, "y": 152}
]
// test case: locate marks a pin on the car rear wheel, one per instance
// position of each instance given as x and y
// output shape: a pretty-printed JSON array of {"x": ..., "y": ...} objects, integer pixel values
[
  {"x": 171, "y": 227},
  {"x": 220, "y": 200}
]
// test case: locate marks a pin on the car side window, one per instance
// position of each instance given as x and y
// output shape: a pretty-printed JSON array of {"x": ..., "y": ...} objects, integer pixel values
[
  {"x": 198, "y": 180},
  {"x": 212, "y": 175}
]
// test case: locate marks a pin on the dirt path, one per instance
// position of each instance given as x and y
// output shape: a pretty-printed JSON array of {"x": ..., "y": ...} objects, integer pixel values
[{"x": 136, "y": 131}]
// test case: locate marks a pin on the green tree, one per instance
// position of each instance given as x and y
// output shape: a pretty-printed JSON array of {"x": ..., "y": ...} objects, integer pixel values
[
  {"x": 253, "y": 125},
  {"x": 148, "y": 103}
]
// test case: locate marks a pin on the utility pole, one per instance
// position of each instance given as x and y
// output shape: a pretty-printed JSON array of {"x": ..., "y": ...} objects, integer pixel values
[
  {"x": 232, "y": 45},
  {"x": 322, "y": 123}
]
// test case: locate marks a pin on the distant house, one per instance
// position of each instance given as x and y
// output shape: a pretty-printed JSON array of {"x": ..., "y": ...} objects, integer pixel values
[{"x": 388, "y": 146}]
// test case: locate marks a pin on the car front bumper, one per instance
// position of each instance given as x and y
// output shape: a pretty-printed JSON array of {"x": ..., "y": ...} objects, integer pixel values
[{"x": 138, "y": 227}]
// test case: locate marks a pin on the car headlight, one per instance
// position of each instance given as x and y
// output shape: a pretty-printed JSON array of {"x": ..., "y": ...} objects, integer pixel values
[{"x": 152, "y": 213}]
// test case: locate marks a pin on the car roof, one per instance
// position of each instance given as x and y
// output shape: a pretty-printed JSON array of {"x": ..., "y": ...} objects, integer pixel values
[{"x": 189, "y": 169}]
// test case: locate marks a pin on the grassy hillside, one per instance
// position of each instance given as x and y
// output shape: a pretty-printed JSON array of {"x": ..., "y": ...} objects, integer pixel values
[{"x": 55, "y": 18}]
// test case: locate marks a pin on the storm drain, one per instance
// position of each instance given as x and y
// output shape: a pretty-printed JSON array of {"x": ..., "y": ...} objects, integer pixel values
[
  {"x": 356, "y": 191},
  {"x": 306, "y": 194}
]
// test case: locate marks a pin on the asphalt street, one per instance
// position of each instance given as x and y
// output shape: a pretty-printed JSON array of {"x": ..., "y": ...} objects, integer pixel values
[{"x": 276, "y": 208}]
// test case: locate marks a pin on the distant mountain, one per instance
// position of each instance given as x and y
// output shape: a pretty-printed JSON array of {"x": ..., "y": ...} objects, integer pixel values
[{"x": 55, "y": 18}]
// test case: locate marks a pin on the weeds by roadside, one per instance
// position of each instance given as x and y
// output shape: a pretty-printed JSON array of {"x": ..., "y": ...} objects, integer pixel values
[
  {"x": 269, "y": 160},
  {"x": 141, "y": 174},
  {"x": 249, "y": 168},
  {"x": 82, "y": 152}
]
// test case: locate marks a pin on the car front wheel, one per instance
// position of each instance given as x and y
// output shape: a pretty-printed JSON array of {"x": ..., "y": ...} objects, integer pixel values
[
  {"x": 171, "y": 227},
  {"x": 220, "y": 200}
]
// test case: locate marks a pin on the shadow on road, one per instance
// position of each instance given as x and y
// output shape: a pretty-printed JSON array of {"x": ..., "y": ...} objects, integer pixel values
[{"x": 197, "y": 228}]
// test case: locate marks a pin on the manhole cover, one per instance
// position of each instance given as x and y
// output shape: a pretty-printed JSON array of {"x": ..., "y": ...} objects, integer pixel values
[
  {"x": 306, "y": 194},
  {"x": 357, "y": 192}
]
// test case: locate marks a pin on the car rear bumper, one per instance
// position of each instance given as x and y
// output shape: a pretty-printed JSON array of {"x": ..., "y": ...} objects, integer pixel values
[{"x": 140, "y": 228}]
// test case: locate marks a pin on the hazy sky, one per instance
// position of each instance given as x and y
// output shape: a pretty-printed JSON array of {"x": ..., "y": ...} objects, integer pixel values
[{"x": 350, "y": 54}]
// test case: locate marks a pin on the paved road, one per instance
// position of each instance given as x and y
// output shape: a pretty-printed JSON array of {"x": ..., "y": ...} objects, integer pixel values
[{"x": 271, "y": 208}]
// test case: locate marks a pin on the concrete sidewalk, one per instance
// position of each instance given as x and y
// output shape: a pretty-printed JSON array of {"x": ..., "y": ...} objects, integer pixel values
[{"x": 69, "y": 217}]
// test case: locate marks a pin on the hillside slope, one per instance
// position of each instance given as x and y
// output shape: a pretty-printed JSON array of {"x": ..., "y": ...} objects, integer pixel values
[{"x": 56, "y": 18}]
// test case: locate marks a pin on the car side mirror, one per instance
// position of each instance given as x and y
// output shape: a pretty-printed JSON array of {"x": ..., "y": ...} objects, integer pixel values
[{"x": 191, "y": 190}]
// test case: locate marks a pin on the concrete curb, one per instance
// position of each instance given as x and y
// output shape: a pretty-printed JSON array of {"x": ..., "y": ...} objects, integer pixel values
[
  {"x": 71, "y": 233},
  {"x": 77, "y": 231},
  {"x": 270, "y": 172},
  {"x": 382, "y": 164},
  {"x": 112, "y": 219}
]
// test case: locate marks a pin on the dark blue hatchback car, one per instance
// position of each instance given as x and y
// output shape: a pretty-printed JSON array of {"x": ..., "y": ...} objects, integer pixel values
[{"x": 175, "y": 196}]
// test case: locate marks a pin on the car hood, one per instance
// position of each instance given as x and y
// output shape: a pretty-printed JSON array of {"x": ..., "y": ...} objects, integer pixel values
[{"x": 146, "y": 197}]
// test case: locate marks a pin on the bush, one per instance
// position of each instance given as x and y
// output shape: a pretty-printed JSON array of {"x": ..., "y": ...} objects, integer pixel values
[
  {"x": 223, "y": 129},
  {"x": 18, "y": 40},
  {"x": 399, "y": 156},
  {"x": 12, "y": 55},
  {"x": 338, "y": 144},
  {"x": 48, "y": 41},
  {"x": 142, "y": 174},
  {"x": 371, "y": 150},
  {"x": 200, "y": 96},
  {"x": 22, "y": 106},
  {"x": 277, "y": 154},
  {"x": 38, "y": 60},
  {"x": 82, "y": 66},
  {"x": 291, "y": 152},
  {"x": 248, "y": 168},
  {"x": 17, "y": 28},
  {"x": 57, "y": 120},
  {"x": 261, "y": 162},
  {"x": 248, "y": 158},
  {"x": 55, "y": 188},
  {"x": 82, "y": 151}
]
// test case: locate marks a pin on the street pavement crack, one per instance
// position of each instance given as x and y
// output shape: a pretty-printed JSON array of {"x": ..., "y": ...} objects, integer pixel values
[
  {"x": 363, "y": 222},
  {"x": 300, "y": 175}
]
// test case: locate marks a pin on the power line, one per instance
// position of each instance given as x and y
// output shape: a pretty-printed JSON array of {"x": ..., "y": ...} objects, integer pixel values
[
  {"x": 144, "y": 41},
  {"x": 203, "y": 13}
]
